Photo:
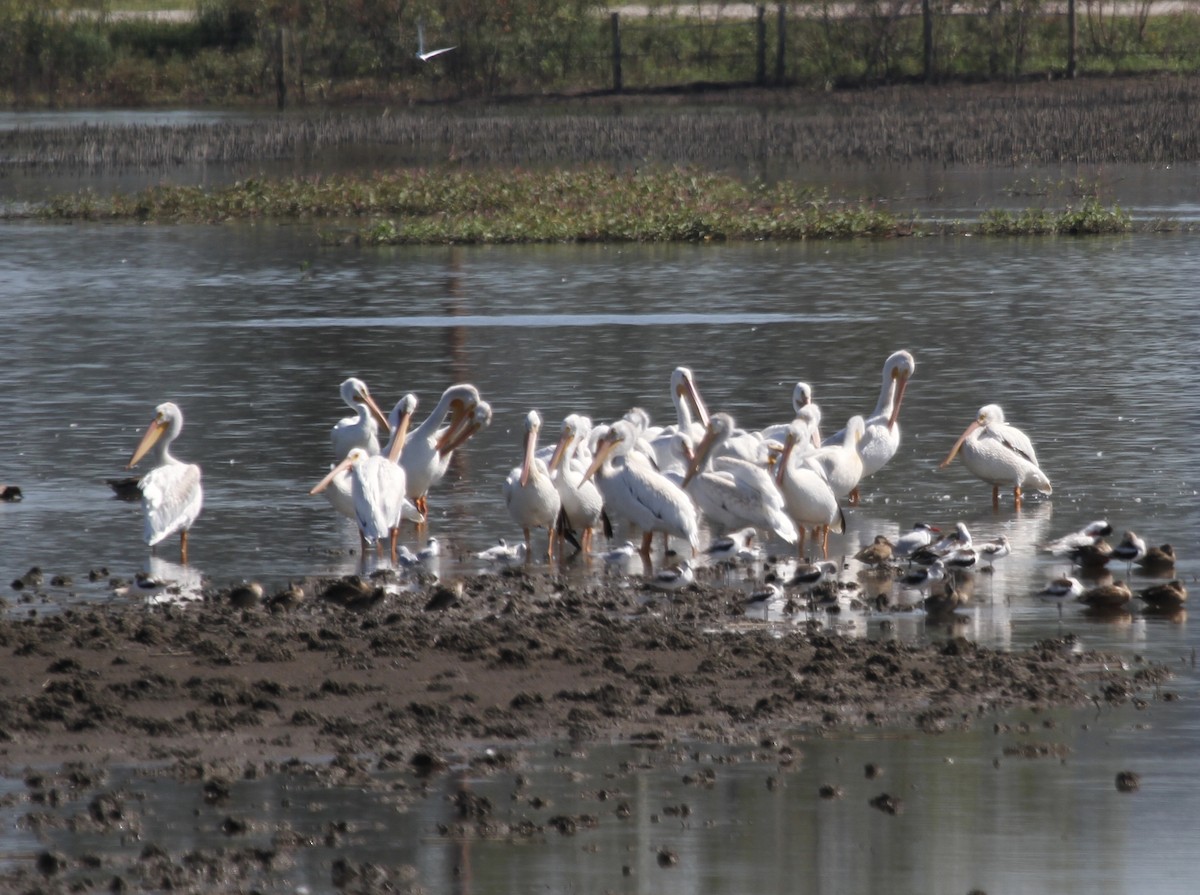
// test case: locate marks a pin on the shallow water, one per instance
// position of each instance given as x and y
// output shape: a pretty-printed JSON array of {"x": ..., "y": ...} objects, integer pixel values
[{"x": 1089, "y": 344}]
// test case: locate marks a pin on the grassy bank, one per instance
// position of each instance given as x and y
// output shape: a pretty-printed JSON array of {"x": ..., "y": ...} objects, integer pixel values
[{"x": 591, "y": 204}]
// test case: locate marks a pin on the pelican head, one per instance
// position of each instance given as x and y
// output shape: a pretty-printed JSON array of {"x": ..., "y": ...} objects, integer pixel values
[
  {"x": 355, "y": 392},
  {"x": 356, "y": 455},
  {"x": 989, "y": 414},
  {"x": 168, "y": 421},
  {"x": 533, "y": 425},
  {"x": 683, "y": 393},
  {"x": 897, "y": 370}
]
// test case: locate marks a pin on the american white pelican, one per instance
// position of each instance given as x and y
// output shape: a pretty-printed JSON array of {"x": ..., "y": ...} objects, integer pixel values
[
  {"x": 840, "y": 463},
  {"x": 738, "y": 494},
  {"x": 423, "y": 54},
  {"x": 426, "y": 454},
  {"x": 909, "y": 543},
  {"x": 529, "y": 493},
  {"x": 582, "y": 503},
  {"x": 881, "y": 430},
  {"x": 339, "y": 490},
  {"x": 802, "y": 402},
  {"x": 362, "y": 429},
  {"x": 807, "y": 496},
  {"x": 1086, "y": 536},
  {"x": 637, "y": 492},
  {"x": 999, "y": 454},
  {"x": 377, "y": 487},
  {"x": 691, "y": 419},
  {"x": 171, "y": 492}
]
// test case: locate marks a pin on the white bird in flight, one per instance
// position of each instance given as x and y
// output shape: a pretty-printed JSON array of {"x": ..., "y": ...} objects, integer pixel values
[{"x": 423, "y": 54}]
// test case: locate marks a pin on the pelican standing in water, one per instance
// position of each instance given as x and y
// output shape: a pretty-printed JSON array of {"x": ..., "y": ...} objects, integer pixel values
[
  {"x": 736, "y": 494},
  {"x": 1000, "y": 454},
  {"x": 529, "y": 493},
  {"x": 807, "y": 496},
  {"x": 427, "y": 451},
  {"x": 637, "y": 492},
  {"x": 362, "y": 429},
  {"x": 881, "y": 430},
  {"x": 840, "y": 463},
  {"x": 582, "y": 503},
  {"x": 377, "y": 488},
  {"x": 171, "y": 492}
]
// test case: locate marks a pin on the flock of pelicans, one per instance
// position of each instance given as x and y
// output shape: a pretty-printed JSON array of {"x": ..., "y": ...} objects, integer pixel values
[{"x": 701, "y": 471}]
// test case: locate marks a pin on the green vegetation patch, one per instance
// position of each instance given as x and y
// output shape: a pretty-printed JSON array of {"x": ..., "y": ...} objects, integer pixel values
[{"x": 588, "y": 205}]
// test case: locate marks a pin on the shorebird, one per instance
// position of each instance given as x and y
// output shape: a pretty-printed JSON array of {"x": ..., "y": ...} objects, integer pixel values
[
  {"x": 1157, "y": 561},
  {"x": 909, "y": 543},
  {"x": 1060, "y": 590},
  {"x": 502, "y": 553},
  {"x": 1087, "y": 536},
  {"x": 877, "y": 553},
  {"x": 673, "y": 579},
  {"x": 1166, "y": 596}
]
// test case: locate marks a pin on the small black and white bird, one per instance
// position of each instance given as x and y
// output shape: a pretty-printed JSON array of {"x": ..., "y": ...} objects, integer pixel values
[
  {"x": 909, "y": 543},
  {"x": 673, "y": 579}
]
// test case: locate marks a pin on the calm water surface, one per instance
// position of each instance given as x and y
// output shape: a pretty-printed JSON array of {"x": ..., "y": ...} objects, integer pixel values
[{"x": 1089, "y": 345}]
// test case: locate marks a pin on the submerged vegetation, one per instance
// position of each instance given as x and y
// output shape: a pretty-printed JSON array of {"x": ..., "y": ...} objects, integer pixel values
[{"x": 591, "y": 204}]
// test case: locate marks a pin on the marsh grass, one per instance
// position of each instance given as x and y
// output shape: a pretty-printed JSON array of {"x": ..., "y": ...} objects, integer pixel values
[{"x": 591, "y": 204}]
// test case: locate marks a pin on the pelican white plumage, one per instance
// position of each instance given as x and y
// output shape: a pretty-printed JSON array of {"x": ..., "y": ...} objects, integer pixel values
[
  {"x": 881, "y": 430},
  {"x": 635, "y": 491},
  {"x": 582, "y": 503},
  {"x": 840, "y": 463},
  {"x": 802, "y": 403},
  {"x": 691, "y": 419},
  {"x": 423, "y": 54},
  {"x": 1000, "y": 454},
  {"x": 362, "y": 429},
  {"x": 171, "y": 492},
  {"x": 377, "y": 488},
  {"x": 339, "y": 490},
  {"x": 807, "y": 496},
  {"x": 736, "y": 494},
  {"x": 427, "y": 451},
  {"x": 529, "y": 492}
]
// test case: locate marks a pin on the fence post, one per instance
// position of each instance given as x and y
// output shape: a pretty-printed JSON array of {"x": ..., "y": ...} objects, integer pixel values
[
  {"x": 280, "y": 71},
  {"x": 616, "y": 52},
  {"x": 927, "y": 34},
  {"x": 760, "y": 25},
  {"x": 781, "y": 45},
  {"x": 1072, "y": 36}
]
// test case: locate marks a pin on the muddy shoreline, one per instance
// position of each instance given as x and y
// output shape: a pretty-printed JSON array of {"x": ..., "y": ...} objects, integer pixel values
[{"x": 347, "y": 684}]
